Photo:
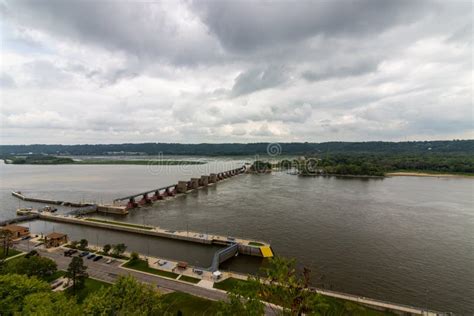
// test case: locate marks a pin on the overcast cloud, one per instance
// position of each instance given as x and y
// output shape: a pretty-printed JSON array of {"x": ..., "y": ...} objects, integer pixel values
[{"x": 235, "y": 71}]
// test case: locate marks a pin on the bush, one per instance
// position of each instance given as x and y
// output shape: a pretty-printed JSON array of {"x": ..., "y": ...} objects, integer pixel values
[{"x": 134, "y": 256}]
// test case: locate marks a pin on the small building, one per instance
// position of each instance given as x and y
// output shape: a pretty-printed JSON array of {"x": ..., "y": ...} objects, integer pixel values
[
  {"x": 17, "y": 231},
  {"x": 55, "y": 239}
]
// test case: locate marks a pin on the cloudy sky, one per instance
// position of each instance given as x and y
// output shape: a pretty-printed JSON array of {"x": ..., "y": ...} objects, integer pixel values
[{"x": 235, "y": 71}]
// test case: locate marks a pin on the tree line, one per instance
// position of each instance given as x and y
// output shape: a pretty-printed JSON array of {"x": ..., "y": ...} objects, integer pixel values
[{"x": 306, "y": 148}]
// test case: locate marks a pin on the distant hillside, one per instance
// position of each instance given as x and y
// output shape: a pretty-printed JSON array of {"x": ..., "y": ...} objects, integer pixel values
[{"x": 418, "y": 147}]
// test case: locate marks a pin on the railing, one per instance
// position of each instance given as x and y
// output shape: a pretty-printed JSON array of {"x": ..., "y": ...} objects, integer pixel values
[{"x": 223, "y": 255}]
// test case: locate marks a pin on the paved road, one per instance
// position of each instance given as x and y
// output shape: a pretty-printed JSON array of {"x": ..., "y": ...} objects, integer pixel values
[{"x": 110, "y": 272}]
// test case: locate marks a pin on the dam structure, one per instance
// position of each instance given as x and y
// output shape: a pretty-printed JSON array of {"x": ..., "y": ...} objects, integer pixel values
[{"x": 150, "y": 196}]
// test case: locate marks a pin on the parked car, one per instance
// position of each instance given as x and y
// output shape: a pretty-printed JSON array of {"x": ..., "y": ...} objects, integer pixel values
[
  {"x": 26, "y": 237},
  {"x": 197, "y": 271},
  {"x": 84, "y": 253},
  {"x": 56, "y": 284},
  {"x": 32, "y": 253},
  {"x": 92, "y": 255},
  {"x": 109, "y": 261},
  {"x": 73, "y": 251},
  {"x": 98, "y": 258}
]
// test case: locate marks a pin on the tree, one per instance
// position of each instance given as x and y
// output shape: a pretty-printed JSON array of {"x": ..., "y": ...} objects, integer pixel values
[
  {"x": 126, "y": 297},
  {"x": 76, "y": 272},
  {"x": 13, "y": 290},
  {"x": 74, "y": 244},
  {"x": 50, "y": 303},
  {"x": 6, "y": 239},
  {"x": 83, "y": 243},
  {"x": 134, "y": 256},
  {"x": 106, "y": 248},
  {"x": 281, "y": 284},
  {"x": 118, "y": 249},
  {"x": 40, "y": 267}
]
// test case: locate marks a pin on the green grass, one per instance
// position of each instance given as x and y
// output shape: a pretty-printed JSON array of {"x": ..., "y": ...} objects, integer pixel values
[
  {"x": 189, "y": 305},
  {"x": 142, "y": 265},
  {"x": 228, "y": 284},
  {"x": 90, "y": 286},
  {"x": 189, "y": 279},
  {"x": 257, "y": 244},
  {"x": 11, "y": 252},
  {"x": 54, "y": 276},
  {"x": 118, "y": 223}
]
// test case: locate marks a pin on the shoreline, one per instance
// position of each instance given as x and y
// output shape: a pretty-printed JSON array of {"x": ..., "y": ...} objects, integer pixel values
[{"x": 424, "y": 174}]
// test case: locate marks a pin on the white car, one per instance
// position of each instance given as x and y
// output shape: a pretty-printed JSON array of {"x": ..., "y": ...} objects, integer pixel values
[{"x": 109, "y": 261}]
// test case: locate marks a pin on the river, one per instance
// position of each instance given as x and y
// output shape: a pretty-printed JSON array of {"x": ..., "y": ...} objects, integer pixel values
[{"x": 408, "y": 240}]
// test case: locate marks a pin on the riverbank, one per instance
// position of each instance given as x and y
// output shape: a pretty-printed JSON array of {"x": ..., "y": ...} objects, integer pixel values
[{"x": 426, "y": 174}]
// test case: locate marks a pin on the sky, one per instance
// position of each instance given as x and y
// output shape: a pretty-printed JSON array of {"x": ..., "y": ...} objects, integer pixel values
[{"x": 84, "y": 71}]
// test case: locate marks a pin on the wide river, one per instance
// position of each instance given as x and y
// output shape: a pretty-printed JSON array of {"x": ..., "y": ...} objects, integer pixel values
[{"x": 408, "y": 240}]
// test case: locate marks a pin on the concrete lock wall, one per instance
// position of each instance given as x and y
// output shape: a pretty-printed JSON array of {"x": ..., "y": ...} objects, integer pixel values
[
  {"x": 194, "y": 183},
  {"x": 204, "y": 181},
  {"x": 182, "y": 186}
]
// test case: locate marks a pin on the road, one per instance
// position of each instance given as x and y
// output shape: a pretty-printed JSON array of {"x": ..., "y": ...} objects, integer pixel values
[{"x": 110, "y": 272}]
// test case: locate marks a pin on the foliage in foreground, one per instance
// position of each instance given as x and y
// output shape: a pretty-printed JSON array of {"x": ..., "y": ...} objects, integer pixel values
[
  {"x": 30, "y": 266},
  {"x": 282, "y": 285},
  {"x": 29, "y": 295},
  {"x": 126, "y": 297}
]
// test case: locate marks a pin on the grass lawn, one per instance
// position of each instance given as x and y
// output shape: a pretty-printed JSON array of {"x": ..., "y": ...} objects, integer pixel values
[
  {"x": 54, "y": 276},
  {"x": 228, "y": 284},
  {"x": 189, "y": 305},
  {"x": 11, "y": 252},
  {"x": 118, "y": 223},
  {"x": 90, "y": 286},
  {"x": 142, "y": 265},
  {"x": 189, "y": 279}
]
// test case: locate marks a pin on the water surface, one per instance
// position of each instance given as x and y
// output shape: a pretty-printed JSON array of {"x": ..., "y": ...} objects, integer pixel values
[{"x": 404, "y": 239}]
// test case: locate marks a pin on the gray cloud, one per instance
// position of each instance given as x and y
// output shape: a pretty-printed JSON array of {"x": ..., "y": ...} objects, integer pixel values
[
  {"x": 362, "y": 68},
  {"x": 205, "y": 71},
  {"x": 6, "y": 81},
  {"x": 248, "y": 25},
  {"x": 259, "y": 79}
]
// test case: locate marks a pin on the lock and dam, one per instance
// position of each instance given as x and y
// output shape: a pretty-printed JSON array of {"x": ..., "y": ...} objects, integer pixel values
[{"x": 79, "y": 216}]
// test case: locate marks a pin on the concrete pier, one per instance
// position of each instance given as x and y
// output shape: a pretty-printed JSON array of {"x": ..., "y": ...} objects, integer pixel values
[
  {"x": 103, "y": 208},
  {"x": 212, "y": 178},
  {"x": 204, "y": 181},
  {"x": 182, "y": 186},
  {"x": 194, "y": 183}
]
